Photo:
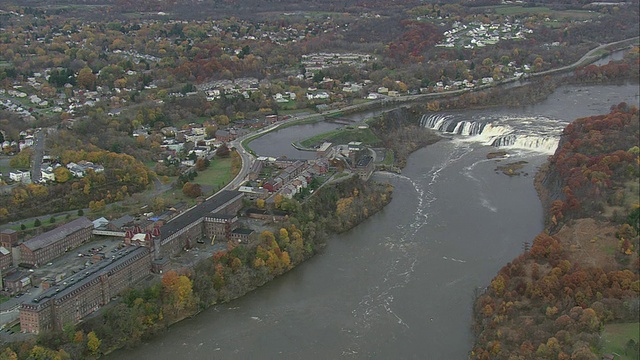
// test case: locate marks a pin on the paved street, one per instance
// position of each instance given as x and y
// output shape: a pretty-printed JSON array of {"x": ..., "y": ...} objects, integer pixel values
[{"x": 38, "y": 149}]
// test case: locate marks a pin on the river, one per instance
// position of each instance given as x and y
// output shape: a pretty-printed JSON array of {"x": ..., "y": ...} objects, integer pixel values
[{"x": 400, "y": 285}]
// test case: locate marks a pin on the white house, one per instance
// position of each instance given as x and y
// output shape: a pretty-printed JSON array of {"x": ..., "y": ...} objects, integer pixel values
[
  {"x": 75, "y": 169},
  {"x": 47, "y": 175},
  {"x": 20, "y": 176}
]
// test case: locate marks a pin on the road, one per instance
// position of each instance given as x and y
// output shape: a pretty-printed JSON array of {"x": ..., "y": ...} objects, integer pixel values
[
  {"x": 38, "y": 147},
  {"x": 248, "y": 159},
  {"x": 588, "y": 58}
]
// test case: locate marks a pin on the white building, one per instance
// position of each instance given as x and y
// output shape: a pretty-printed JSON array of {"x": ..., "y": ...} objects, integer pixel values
[{"x": 20, "y": 176}]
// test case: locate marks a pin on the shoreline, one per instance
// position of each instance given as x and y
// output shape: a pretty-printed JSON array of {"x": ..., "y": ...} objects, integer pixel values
[{"x": 202, "y": 260}]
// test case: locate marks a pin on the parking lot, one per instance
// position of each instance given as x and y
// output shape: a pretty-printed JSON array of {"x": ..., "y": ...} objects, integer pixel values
[{"x": 79, "y": 259}]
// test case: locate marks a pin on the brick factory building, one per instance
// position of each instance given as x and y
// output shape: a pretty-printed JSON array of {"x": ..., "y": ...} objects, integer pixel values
[
  {"x": 81, "y": 296},
  {"x": 216, "y": 216},
  {"x": 44, "y": 247}
]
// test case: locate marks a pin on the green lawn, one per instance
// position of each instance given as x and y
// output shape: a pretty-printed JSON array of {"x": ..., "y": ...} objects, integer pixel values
[
  {"x": 343, "y": 136},
  {"x": 515, "y": 9},
  {"x": 388, "y": 158},
  {"x": 616, "y": 336},
  {"x": 217, "y": 175},
  {"x": 294, "y": 111},
  {"x": 289, "y": 105},
  {"x": 28, "y": 224}
]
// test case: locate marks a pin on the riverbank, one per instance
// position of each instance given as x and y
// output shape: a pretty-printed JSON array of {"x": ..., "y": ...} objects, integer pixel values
[
  {"x": 124, "y": 312},
  {"x": 582, "y": 271}
]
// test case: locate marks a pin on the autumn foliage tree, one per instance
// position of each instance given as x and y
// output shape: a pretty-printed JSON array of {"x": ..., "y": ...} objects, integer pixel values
[
  {"x": 177, "y": 292},
  {"x": 552, "y": 300},
  {"x": 192, "y": 190}
]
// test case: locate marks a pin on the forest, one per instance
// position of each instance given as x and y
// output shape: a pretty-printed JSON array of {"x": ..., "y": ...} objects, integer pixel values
[{"x": 553, "y": 301}]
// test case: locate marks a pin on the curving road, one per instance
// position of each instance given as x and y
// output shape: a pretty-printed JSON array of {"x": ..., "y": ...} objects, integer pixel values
[{"x": 248, "y": 158}]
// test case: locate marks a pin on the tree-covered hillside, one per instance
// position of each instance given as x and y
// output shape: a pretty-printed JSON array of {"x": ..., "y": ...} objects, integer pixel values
[{"x": 582, "y": 272}]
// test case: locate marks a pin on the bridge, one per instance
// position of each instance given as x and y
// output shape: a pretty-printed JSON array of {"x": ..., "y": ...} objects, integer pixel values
[{"x": 108, "y": 233}]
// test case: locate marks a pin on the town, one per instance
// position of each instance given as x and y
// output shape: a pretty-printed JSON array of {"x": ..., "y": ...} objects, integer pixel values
[
  {"x": 126, "y": 129},
  {"x": 48, "y": 299}
]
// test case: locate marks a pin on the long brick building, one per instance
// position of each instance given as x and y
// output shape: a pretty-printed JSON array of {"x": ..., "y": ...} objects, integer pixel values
[
  {"x": 85, "y": 294},
  {"x": 216, "y": 216},
  {"x": 47, "y": 246}
]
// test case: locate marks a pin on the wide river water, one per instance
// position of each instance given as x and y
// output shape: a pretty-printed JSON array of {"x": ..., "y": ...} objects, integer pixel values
[{"x": 400, "y": 285}]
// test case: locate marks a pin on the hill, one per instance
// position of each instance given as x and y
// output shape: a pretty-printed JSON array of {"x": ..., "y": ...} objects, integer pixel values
[{"x": 553, "y": 301}]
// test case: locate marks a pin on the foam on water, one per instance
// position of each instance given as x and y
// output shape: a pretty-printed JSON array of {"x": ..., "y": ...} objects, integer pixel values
[
  {"x": 401, "y": 257},
  {"x": 540, "y": 134}
]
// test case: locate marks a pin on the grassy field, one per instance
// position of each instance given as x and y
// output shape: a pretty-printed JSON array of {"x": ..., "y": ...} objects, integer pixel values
[
  {"x": 616, "y": 336},
  {"x": 343, "y": 136},
  {"x": 289, "y": 105},
  {"x": 294, "y": 111},
  {"x": 389, "y": 158},
  {"x": 217, "y": 175}
]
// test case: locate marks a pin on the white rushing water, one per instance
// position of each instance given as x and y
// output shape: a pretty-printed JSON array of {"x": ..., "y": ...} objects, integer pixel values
[{"x": 535, "y": 133}]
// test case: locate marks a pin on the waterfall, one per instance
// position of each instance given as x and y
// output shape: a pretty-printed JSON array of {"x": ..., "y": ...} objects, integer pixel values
[{"x": 539, "y": 134}]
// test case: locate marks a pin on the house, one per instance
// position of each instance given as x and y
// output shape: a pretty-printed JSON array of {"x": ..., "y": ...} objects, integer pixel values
[
  {"x": 253, "y": 193},
  {"x": 75, "y": 169},
  {"x": 47, "y": 175},
  {"x": 100, "y": 222},
  {"x": 323, "y": 149},
  {"x": 121, "y": 223},
  {"x": 8, "y": 238},
  {"x": 200, "y": 151},
  {"x": 20, "y": 176},
  {"x": 70, "y": 302},
  {"x": 288, "y": 191},
  {"x": 226, "y": 135},
  {"x": 243, "y": 236},
  {"x": 272, "y": 215},
  {"x": 271, "y": 118},
  {"x": 44, "y": 247}
]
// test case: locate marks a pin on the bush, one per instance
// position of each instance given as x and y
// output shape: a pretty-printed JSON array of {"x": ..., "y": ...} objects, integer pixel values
[
  {"x": 37, "y": 223},
  {"x": 80, "y": 212}
]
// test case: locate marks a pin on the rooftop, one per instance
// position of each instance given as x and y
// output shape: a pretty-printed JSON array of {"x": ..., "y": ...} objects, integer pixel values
[
  {"x": 242, "y": 231},
  {"x": 58, "y": 233},
  {"x": 102, "y": 267},
  {"x": 211, "y": 205}
]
